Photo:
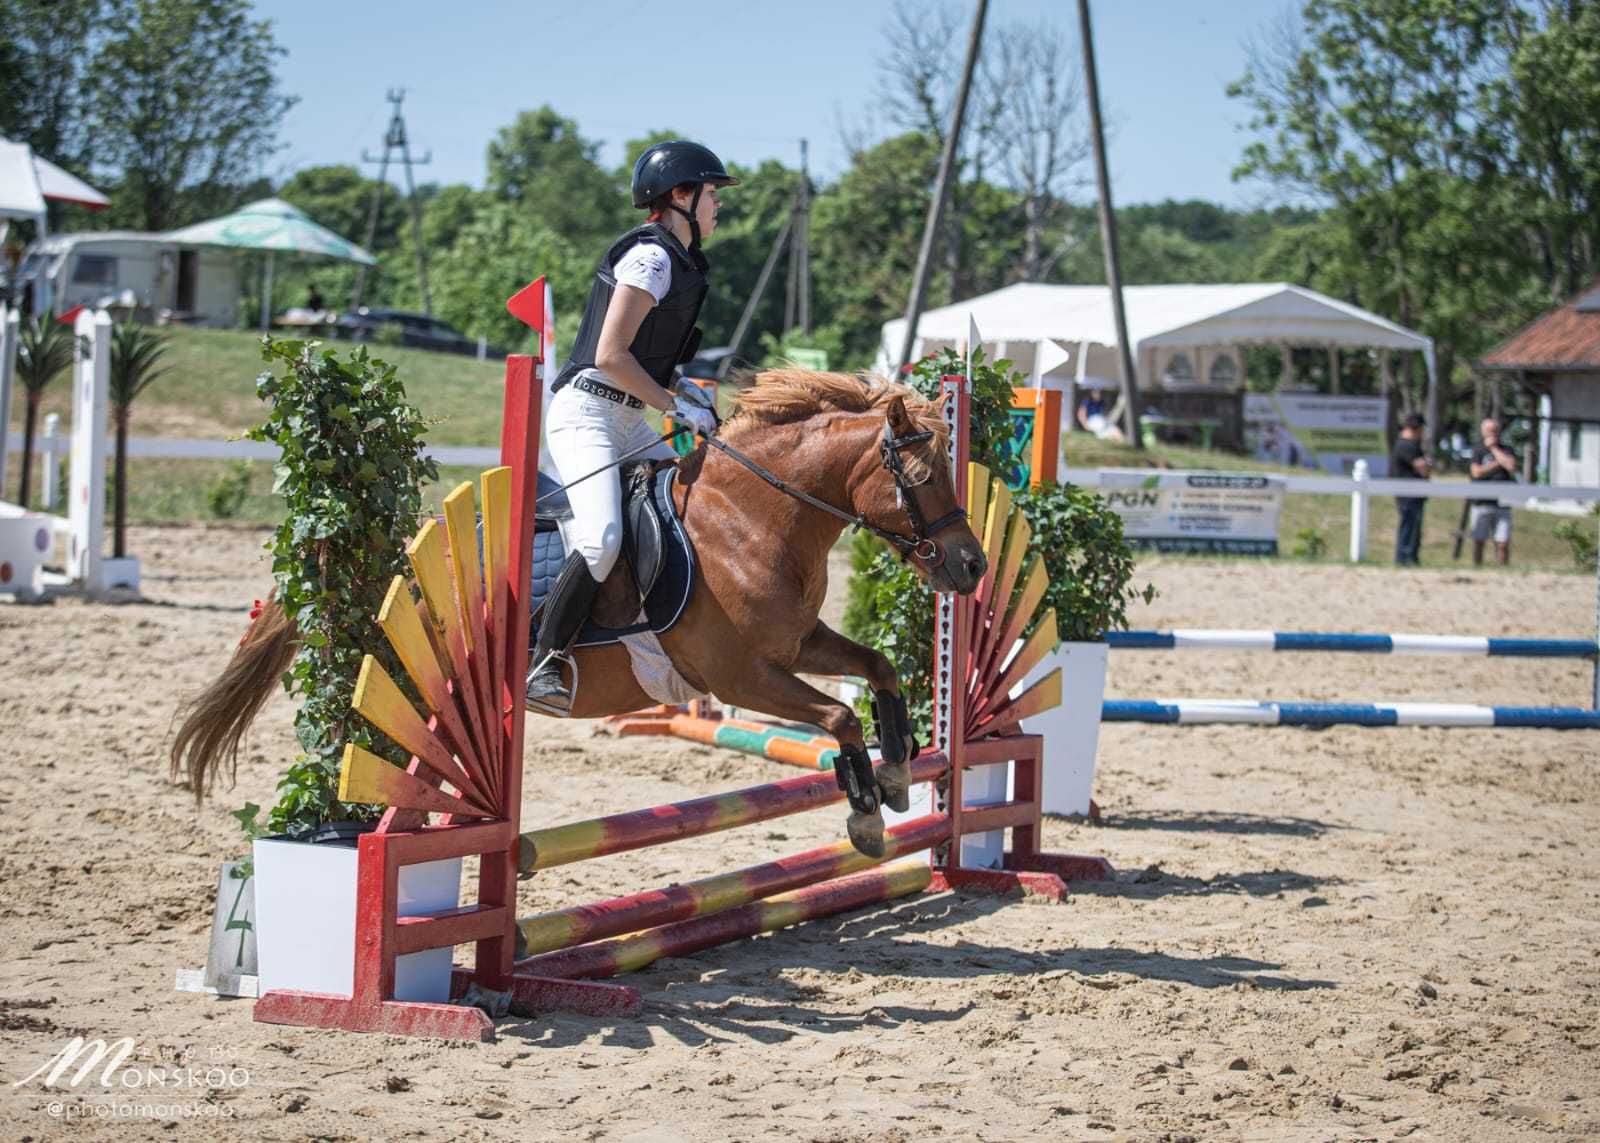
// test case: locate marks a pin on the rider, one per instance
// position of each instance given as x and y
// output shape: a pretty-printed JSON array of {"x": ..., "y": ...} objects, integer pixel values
[{"x": 638, "y": 326}]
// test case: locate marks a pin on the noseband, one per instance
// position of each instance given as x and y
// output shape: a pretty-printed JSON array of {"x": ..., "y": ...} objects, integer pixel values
[{"x": 920, "y": 545}]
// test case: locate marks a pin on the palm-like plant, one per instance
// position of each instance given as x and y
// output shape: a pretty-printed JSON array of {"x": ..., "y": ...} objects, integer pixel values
[
  {"x": 44, "y": 351},
  {"x": 136, "y": 354}
]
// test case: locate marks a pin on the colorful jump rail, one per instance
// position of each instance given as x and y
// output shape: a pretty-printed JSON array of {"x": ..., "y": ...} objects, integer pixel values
[
  {"x": 1399, "y": 643},
  {"x": 1196, "y": 712},
  {"x": 460, "y": 635}
]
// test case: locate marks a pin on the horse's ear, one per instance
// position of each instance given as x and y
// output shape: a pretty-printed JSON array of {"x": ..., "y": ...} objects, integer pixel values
[{"x": 899, "y": 420}]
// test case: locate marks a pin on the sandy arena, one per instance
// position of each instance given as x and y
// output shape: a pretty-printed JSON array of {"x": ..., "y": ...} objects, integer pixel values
[{"x": 1346, "y": 934}]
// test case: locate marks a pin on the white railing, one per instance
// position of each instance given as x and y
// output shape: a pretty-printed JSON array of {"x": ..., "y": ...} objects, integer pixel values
[{"x": 50, "y": 444}]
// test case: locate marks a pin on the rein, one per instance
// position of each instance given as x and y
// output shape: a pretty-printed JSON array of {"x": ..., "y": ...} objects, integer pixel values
[{"x": 920, "y": 544}]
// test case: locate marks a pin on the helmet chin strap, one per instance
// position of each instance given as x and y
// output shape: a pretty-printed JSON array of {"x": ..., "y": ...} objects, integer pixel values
[{"x": 692, "y": 214}]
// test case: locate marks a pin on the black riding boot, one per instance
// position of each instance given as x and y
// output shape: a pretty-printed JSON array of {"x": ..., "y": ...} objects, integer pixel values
[{"x": 565, "y": 610}]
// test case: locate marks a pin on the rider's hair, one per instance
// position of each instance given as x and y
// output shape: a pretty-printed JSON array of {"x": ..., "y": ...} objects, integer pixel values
[{"x": 658, "y": 205}]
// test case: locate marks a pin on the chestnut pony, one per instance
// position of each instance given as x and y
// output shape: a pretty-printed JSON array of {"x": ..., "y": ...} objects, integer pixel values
[{"x": 870, "y": 450}]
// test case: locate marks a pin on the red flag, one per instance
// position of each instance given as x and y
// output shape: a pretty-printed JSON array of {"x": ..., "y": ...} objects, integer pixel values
[{"x": 527, "y": 305}]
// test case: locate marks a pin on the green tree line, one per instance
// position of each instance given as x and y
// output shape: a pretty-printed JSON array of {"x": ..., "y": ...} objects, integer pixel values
[{"x": 1434, "y": 161}]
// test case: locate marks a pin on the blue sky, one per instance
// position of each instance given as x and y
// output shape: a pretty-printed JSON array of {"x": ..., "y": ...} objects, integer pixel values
[{"x": 749, "y": 79}]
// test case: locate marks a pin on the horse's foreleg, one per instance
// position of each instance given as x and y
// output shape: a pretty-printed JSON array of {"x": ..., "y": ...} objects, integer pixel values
[
  {"x": 770, "y": 689},
  {"x": 826, "y": 652}
]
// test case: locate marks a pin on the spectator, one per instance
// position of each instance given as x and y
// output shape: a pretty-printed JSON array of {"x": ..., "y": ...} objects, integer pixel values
[
  {"x": 1407, "y": 462},
  {"x": 1492, "y": 462},
  {"x": 1093, "y": 418},
  {"x": 314, "y": 301}
]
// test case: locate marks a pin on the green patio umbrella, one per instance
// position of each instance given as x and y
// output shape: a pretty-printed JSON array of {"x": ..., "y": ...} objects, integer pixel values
[{"x": 271, "y": 225}]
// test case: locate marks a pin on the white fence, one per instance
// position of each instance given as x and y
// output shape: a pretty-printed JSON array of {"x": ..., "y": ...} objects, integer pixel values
[
  {"x": 1359, "y": 488},
  {"x": 50, "y": 445}
]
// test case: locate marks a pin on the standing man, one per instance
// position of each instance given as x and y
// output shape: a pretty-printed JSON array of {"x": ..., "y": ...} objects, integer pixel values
[
  {"x": 1408, "y": 463},
  {"x": 1492, "y": 462}
]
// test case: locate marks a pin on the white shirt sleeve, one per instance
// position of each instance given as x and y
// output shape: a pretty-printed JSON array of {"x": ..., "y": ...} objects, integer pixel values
[{"x": 647, "y": 266}]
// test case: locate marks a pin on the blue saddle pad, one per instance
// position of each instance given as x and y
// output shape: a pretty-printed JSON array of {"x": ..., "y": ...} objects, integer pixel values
[{"x": 667, "y": 599}]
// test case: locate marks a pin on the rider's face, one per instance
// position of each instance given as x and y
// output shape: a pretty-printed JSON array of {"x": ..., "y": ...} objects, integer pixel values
[
  {"x": 710, "y": 203},
  {"x": 706, "y": 212}
]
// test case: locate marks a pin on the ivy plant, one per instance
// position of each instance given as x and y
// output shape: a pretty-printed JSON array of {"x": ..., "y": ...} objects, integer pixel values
[
  {"x": 1087, "y": 560},
  {"x": 351, "y": 471}
]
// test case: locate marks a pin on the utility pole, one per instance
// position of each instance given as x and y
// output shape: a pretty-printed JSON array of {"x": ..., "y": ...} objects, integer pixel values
[
  {"x": 1108, "y": 236},
  {"x": 761, "y": 286},
  {"x": 395, "y": 139},
  {"x": 802, "y": 242},
  {"x": 941, "y": 190}
]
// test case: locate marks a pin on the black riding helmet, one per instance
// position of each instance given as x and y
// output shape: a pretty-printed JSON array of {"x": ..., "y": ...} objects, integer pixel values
[{"x": 671, "y": 164}]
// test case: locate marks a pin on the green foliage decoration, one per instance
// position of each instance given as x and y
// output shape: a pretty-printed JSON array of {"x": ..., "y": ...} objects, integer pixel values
[
  {"x": 44, "y": 352},
  {"x": 351, "y": 473},
  {"x": 136, "y": 364},
  {"x": 1088, "y": 563}
]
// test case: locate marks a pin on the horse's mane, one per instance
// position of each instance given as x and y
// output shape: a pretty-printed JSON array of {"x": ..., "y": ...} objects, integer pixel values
[{"x": 784, "y": 396}]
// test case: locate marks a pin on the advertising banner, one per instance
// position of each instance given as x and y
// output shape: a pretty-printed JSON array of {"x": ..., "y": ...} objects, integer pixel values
[
  {"x": 1310, "y": 430},
  {"x": 1217, "y": 512}
]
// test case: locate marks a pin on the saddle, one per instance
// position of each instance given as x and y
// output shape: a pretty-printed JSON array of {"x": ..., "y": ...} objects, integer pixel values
[{"x": 655, "y": 573}]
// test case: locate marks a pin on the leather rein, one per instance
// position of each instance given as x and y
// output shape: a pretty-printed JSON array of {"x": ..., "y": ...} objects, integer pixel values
[{"x": 920, "y": 544}]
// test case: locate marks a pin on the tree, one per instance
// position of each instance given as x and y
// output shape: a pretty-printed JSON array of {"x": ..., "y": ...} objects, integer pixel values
[
  {"x": 338, "y": 196},
  {"x": 44, "y": 47},
  {"x": 1038, "y": 132},
  {"x": 1023, "y": 124},
  {"x": 865, "y": 230},
  {"x": 543, "y": 164},
  {"x": 183, "y": 102},
  {"x": 499, "y": 251},
  {"x": 136, "y": 354},
  {"x": 44, "y": 352},
  {"x": 752, "y": 215},
  {"x": 1549, "y": 99},
  {"x": 1381, "y": 112}
]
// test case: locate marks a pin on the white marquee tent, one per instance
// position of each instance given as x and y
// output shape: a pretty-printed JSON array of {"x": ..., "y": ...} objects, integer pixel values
[{"x": 1061, "y": 334}]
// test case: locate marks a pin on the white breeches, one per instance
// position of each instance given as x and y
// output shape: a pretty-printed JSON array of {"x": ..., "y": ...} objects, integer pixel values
[{"x": 585, "y": 432}]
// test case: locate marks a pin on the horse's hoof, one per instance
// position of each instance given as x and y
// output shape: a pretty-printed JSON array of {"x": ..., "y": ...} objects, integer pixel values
[
  {"x": 894, "y": 782},
  {"x": 866, "y": 833}
]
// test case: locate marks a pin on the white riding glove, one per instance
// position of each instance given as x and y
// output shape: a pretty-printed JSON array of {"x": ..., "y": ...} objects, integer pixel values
[{"x": 687, "y": 411}]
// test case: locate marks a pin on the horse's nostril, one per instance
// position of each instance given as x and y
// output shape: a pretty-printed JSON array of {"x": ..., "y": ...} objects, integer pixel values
[{"x": 976, "y": 565}]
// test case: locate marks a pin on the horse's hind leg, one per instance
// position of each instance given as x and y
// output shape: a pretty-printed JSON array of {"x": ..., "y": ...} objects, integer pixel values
[
  {"x": 826, "y": 652},
  {"x": 763, "y": 687}
]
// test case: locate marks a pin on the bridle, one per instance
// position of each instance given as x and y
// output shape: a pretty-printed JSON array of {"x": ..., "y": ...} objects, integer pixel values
[
  {"x": 921, "y": 530},
  {"x": 920, "y": 544}
]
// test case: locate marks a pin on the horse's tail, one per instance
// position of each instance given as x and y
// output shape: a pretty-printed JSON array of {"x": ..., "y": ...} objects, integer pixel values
[{"x": 214, "y": 721}]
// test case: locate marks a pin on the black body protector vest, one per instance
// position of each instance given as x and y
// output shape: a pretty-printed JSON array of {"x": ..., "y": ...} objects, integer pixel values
[{"x": 667, "y": 337}]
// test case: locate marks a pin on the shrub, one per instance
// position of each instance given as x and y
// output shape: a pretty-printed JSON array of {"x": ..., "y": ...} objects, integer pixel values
[
  {"x": 1309, "y": 544},
  {"x": 1580, "y": 539},
  {"x": 1086, "y": 558},
  {"x": 226, "y": 494}
]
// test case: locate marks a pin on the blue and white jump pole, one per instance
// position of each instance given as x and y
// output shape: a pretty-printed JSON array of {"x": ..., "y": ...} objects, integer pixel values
[{"x": 1246, "y": 712}]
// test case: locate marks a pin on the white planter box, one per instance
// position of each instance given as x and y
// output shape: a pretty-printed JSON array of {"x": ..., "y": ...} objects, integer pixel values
[
  {"x": 1072, "y": 730},
  {"x": 306, "y": 919}
]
